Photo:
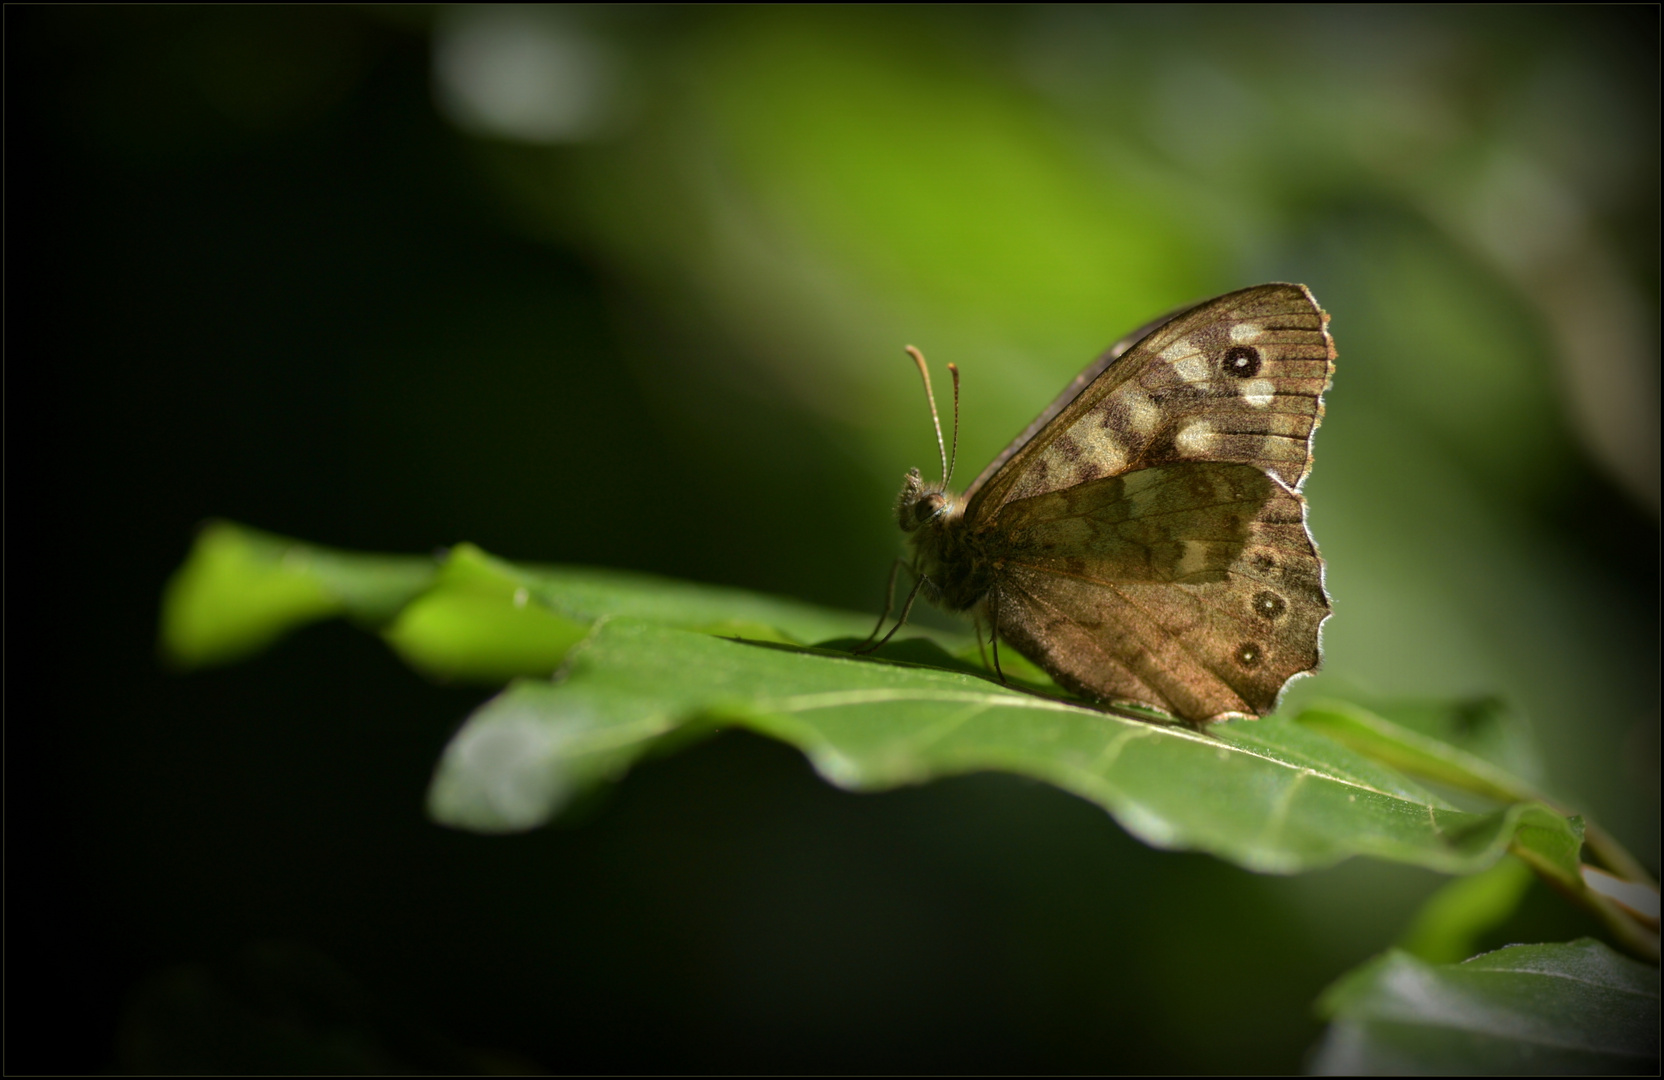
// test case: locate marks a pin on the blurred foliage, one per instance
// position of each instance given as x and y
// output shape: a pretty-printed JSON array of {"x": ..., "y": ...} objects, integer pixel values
[
  {"x": 242, "y": 589},
  {"x": 1448, "y": 927},
  {"x": 281, "y": 1008},
  {"x": 629, "y": 287},
  {"x": 1541, "y": 1010}
]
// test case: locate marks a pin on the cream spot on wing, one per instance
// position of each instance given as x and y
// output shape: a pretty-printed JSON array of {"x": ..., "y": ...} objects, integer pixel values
[
  {"x": 1259, "y": 392},
  {"x": 1193, "y": 368},
  {"x": 1177, "y": 351},
  {"x": 1195, "y": 438},
  {"x": 1142, "y": 414},
  {"x": 1105, "y": 451},
  {"x": 1243, "y": 333}
]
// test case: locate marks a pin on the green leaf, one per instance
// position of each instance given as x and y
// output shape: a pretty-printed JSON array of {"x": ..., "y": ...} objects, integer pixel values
[
  {"x": 1573, "y": 1008},
  {"x": 1543, "y": 841},
  {"x": 480, "y": 621},
  {"x": 1450, "y": 922},
  {"x": 1268, "y": 794},
  {"x": 486, "y": 620},
  {"x": 241, "y": 589},
  {"x": 467, "y": 615},
  {"x": 1485, "y": 727},
  {"x": 1414, "y": 751},
  {"x": 645, "y": 662}
]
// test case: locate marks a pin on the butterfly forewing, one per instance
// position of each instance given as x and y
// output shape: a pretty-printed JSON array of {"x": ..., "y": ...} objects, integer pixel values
[
  {"x": 1239, "y": 378},
  {"x": 1088, "y": 375}
]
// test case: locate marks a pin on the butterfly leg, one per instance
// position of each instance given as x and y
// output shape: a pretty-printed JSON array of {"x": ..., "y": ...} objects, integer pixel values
[
  {"x": 994, "y": 634},
  {"x": 906, "y": 609},
  {"x": 889, "y": 600},
  {"x": 976, "y": 628}
]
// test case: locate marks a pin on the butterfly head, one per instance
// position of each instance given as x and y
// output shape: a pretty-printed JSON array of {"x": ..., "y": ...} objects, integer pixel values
[{"x": 920, "y": 504}]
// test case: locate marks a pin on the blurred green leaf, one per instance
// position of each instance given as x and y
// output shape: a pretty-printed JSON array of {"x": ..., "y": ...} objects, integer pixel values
[
  {"x": 916, "y": 170},
  {"x": 241, "y": 589},
  {"x": 1405, "y": 748},
  {"x": 467, "y": 616},
  {"x": 1541, "y": 1009},
  {"x": 1449, "y": 924},
  {"x": 479, "y": 622},
  {"x": 1486, "y": 727}
]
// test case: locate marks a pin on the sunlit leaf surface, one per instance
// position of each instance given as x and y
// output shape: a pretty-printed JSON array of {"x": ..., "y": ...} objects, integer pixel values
[{"x": 1267, "y": 794}]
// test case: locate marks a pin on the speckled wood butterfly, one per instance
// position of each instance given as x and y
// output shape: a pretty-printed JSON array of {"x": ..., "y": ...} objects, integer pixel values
[{"x": 1145, "y": 541}]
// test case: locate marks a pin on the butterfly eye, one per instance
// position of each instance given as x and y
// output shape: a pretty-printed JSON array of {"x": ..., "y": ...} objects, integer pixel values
[{"x": 1242, "y": 361}]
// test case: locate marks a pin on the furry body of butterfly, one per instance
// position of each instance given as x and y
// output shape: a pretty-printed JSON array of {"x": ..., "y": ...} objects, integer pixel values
[{"x": 1144, "y": 541}]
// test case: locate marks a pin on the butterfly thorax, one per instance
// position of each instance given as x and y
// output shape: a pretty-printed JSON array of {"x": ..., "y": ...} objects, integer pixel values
[{"x": 956, "y": 572}]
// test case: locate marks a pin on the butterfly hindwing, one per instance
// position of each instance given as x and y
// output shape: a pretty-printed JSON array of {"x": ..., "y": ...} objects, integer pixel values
[{"x": 1192, "y": 588}]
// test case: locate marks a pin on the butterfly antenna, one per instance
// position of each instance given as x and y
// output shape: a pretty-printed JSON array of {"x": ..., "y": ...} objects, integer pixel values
[
  {"x": 918, "y": 358},
  {"x": 953, "y": 458}
]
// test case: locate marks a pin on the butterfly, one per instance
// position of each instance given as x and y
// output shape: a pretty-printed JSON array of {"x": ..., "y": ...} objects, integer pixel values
[{"x": 1144, "y": 541}]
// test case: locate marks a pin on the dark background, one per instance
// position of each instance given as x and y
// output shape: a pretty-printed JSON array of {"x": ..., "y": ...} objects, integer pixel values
[{"x": 262, "y": 265}]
